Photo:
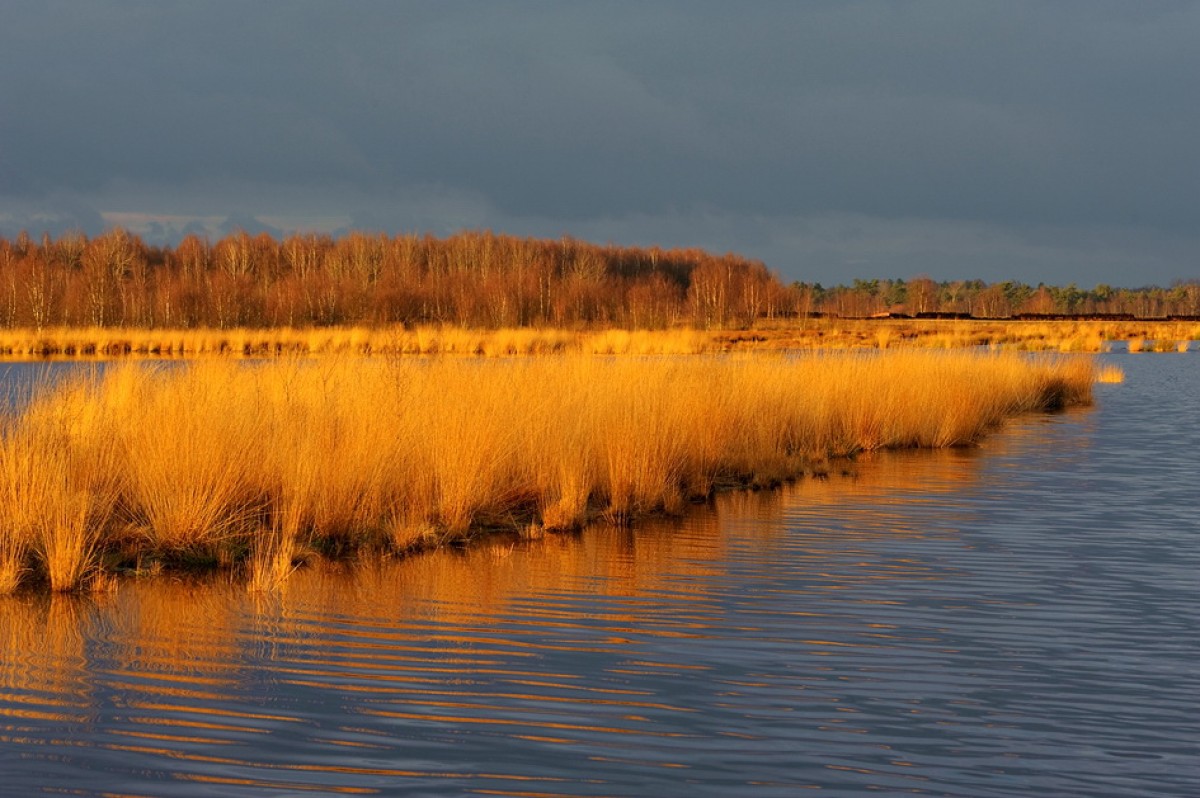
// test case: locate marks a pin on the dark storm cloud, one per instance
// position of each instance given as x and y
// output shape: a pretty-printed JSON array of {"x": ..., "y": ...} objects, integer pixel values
[{"x": 751, "y": 120}]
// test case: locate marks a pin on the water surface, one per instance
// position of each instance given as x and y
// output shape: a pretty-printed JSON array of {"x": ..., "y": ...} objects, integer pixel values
[{"x": 1016, "y": 619}]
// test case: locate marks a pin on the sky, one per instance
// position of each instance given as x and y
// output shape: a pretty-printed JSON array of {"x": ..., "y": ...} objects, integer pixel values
[{"x": 1039, "y": 141}]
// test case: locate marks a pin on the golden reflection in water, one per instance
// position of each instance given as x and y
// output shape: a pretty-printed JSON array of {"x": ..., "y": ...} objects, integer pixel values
[
  {"x": 43, "y": 662},
  {"x": 196, "y": 627},
  {"x": 451, "y": 637},
  {"x": 181, "y": 627},
  {"x": 883, "y": 488}
]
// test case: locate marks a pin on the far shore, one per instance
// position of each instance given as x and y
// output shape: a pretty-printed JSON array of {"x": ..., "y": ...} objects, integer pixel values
[{"x": 85, "y": 343}]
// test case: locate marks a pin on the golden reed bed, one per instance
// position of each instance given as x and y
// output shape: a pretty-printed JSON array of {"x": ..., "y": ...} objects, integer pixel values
[
  {"x": 793, "y": 335},
  {"x": 253, "y": 465}
]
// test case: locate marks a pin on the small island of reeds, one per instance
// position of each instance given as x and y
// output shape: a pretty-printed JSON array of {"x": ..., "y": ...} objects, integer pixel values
[{"x": 254, "y": 466}]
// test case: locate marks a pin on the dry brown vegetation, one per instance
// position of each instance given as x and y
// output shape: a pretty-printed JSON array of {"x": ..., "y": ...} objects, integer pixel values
[
  {"x": 1012, "y": 334},
  {"x": 257, "y": 464},
  {"x": 1110, "y": 373},
  {"x": 107, "y": 343},
  {"x": 795, "y": 334},
  {"x": 474, "y": 279}
]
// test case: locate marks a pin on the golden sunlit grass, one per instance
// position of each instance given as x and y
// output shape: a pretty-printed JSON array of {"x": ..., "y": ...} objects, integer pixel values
[
  {"x": 260, "y": 463},
  {"x": 272, "y": 558},
  {"x": 14, "y": 551},
  {"x": 1110, "y": 373},
  {"x": 1166, "y": 345},
  {"x": 1022, "y": 335},
  {"x": 424, "y": 340},
  {"x": 186, "y": 456},
  {"x": 60, "y": 489},
  {"x": 794, "y": 334},
  {"x": 19, "y": 523}
]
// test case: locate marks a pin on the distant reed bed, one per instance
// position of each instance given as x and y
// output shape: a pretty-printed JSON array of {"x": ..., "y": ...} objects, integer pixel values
[
  {"x": 1020, "y": 335},
  {"x": 254, "y": 465},
  {"x": 109, "y": 343},
  {"x": 790, "y": 334}
]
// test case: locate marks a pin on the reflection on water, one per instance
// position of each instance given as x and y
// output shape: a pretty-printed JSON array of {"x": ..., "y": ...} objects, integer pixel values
[{"x": 1017, "y": 619}]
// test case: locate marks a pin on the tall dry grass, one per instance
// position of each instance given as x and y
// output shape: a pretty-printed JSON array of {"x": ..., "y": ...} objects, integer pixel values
[
  {"x": 17, "y": 518},
  {"x": 1110, "y": 373},
  {"x": 795, "y": 334},
  {"x": 61, "y": 485},
  {"x": 188, "y": 455},
  {"x": 259, "y": 463},
  {"x": 105, "y": 342}
]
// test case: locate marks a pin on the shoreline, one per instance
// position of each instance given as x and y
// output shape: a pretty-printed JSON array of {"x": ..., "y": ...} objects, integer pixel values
[
  {"x": 85, "y": 344},
  {"x": 215, "y": 465}
]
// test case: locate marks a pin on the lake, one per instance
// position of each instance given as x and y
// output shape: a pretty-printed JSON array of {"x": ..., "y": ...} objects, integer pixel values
[{"x": 1021, "y": 618}]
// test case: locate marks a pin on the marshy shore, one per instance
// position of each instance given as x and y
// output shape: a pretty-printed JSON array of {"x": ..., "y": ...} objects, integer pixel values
[
  {"x": 254, "y": 466},
  {"x": 798, "y": 335}
]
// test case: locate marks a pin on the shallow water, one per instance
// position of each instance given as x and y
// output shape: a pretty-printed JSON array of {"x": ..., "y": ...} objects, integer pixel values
[{"x": 1016, "y": 619}]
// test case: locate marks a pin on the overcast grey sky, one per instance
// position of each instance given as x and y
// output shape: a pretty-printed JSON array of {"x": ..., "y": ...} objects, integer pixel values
[{"x": 1039, "y": 141}]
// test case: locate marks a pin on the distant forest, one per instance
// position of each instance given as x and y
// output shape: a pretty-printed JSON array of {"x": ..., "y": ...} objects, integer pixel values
[{"x": 476, "y": 279}]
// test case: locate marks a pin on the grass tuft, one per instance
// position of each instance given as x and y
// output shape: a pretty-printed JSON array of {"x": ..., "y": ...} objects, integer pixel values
[
  {"x": 1110, "y": 373},
  {"x": 233, "y": 463}
]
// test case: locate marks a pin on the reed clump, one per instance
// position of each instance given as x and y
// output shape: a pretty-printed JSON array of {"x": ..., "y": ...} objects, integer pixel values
[
  {"x": 1167, "y": 345},
  {"x": 793, "y": 334},
  {"x": 263, "y": 464},
  {"x": 109, "y": 343},
  {"x": 1110, "y": 373},
  {"x": 61, "y": 486}
]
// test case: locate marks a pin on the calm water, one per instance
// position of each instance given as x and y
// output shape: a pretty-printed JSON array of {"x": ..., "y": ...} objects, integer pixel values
[{"x": 1014, "y": 620}]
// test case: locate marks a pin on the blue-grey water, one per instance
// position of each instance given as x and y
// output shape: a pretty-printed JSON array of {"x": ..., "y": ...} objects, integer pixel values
[{"x": 1018, "y": 619}]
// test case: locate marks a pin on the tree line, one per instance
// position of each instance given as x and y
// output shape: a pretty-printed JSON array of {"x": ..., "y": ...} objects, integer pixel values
[
  {"x": 473, "y": 279},
  {"x": 999, "y": 300}
]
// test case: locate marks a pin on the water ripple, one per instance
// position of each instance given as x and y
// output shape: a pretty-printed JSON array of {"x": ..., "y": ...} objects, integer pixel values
[{"x": 1017, "y": 619}]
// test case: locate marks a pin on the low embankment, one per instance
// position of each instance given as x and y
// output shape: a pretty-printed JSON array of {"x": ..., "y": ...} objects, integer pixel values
[{"x": 253, "y": 465}]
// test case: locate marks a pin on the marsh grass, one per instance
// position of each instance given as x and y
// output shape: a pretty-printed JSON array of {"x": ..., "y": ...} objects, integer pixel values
[
  {"x": 272, "y": 558},
  {"x": 67, "y": 541},
  {"x": 98, "y": 342},
  {"x": 186, "y": 455},
  {"x": 261, "y": 463},
  {"x": 426, "y": 340},
  {"x": 18, "y": 517},
  {"x": 14, "y": 559},
  {"x": 1166, "y": 345}
]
